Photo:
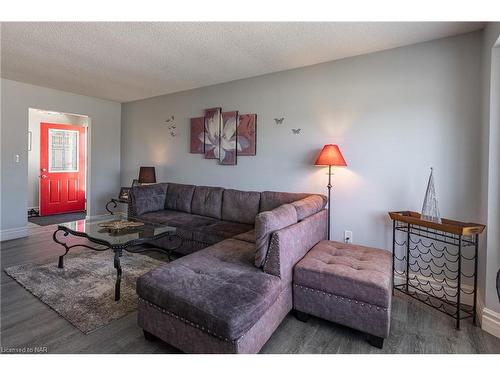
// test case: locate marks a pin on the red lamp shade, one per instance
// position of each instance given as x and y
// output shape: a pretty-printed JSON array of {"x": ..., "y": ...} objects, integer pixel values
[
  {"x": 147, "y": 175},
  {"x": 331, "y": 155}
]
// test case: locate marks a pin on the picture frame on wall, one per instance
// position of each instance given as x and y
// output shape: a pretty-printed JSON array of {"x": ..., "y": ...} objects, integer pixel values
[
  {"x": 223, "y": 136},
  {"x": 227, "y": 142},
  {"x": 197, "y": 135},
  {"x": 247, "y": 135},
  {"x": 212, "y": 132}
]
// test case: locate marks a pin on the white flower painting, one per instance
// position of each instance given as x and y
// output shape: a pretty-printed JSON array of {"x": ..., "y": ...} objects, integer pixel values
[{"x": 220, "y": 138}]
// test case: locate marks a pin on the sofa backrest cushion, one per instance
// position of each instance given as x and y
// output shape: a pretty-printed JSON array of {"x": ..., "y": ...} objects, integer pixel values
[
  {"x": 207, "y": 201},
  {"x": 240, "y": 206},
  {"x": 309, "y": 206},
  {"x": 147, "y": 198},
  {"x": 269, "y": 200},
  {"x": 179, "y": 197},
  {"x": 290, "y": 244},
  {"x": 266, "y": 223}
]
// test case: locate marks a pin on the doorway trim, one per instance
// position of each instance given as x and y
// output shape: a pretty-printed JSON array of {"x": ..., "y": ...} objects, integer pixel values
[{"x": 88, "y": 163}]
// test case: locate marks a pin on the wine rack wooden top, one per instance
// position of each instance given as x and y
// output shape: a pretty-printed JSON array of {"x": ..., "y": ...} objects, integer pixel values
[{"x": 447, "y": 225}]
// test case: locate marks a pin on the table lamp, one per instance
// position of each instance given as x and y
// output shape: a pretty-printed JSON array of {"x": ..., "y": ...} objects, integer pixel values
[
  {"x": 330, "y": 156},
  {"x": 147, "y": 175}
]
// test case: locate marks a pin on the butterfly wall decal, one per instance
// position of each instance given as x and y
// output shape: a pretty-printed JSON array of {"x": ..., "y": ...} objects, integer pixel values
[
  {"x": 279, "y": 121},
  {"x": 296, "y": 131},
  {"x": 171, "y": 126}
]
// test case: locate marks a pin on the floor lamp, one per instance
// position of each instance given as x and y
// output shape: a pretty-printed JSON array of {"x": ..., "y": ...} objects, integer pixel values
[{"x": 330, "y": 156}]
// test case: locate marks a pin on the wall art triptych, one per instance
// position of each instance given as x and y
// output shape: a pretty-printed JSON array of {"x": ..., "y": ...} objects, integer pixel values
[{"x": 224, "y": 136}]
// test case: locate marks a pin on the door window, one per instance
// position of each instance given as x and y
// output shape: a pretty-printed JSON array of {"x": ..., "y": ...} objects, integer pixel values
[{"x": 63, "y": 150}]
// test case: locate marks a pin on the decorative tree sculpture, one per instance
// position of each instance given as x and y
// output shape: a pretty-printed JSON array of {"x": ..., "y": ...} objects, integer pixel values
[{"x": 430, "y": 210}]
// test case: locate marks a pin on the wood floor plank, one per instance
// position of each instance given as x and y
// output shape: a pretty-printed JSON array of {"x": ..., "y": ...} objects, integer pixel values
[{"x": 27, "y": 322}]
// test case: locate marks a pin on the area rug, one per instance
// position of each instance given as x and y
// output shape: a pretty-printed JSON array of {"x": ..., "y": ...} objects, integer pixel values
[
  {"x": 57, "y": 219},
  {"x": 83, "y": 291}
]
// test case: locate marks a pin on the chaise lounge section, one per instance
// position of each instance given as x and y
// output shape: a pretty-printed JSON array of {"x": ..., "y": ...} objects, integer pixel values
[{"x": 228, "y": 297}]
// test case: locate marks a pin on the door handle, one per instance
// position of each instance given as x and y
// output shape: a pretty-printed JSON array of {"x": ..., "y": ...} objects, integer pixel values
[{"x": 43, "y": 176}]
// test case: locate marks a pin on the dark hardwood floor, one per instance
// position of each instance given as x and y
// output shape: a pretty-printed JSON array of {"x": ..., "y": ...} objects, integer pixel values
[{"x": 27, "y": 322}]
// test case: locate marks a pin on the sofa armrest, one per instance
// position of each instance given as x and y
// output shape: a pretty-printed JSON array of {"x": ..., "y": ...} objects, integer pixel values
[
  {"x": 146, "y": 198},
  {"x": 289, "y": 245}
]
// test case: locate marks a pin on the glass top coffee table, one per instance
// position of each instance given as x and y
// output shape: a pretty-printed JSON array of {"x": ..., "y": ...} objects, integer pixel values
[{"x": 117, "y": 232}]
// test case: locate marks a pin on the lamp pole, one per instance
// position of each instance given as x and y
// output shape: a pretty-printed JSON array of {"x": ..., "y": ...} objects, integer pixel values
[
  {"x": 329, "y": 186},
  {"x": 330, "y": 155}
]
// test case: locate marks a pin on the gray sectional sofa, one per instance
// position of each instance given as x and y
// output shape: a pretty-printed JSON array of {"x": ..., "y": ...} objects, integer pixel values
[{"x": 234, "y": 287}]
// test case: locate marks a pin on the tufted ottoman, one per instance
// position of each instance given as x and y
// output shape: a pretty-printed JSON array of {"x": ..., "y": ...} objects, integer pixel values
[{"x": 346, "y": 284}]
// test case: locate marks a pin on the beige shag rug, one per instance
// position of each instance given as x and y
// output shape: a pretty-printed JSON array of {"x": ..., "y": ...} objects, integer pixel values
[{"x": 83, "y": 291}]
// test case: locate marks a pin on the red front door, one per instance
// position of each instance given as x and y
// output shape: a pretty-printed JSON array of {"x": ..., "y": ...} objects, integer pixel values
[{"x": 62, "y": 168}]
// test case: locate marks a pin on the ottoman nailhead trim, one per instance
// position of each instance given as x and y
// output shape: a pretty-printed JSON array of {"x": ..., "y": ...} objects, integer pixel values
[
  {"x": 234, "y": 342},
  {"x": 378, "y": 308},
  {"x": 201, "y": 328}
]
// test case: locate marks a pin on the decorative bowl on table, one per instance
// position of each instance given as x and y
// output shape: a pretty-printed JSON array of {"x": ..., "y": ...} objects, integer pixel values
[{"x": 117, "y": 225}]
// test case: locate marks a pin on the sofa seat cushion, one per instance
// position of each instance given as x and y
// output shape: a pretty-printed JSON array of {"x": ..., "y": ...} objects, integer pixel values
[
  {"x": 227, "y": 228},
  {"x": 247, "y": 236},
  {"x": 218, "y": 289},
  {"x": 190, "y": 221},
  {"x": 163, "y": 216},
  {"x": 196, "y": 227},
  {"x": 219, "y": 230},
  {"x": 357, "y": 272}
]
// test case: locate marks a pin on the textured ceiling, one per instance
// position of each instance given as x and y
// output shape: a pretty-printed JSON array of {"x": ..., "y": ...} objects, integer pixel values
[{"x": 130, "y": 61}]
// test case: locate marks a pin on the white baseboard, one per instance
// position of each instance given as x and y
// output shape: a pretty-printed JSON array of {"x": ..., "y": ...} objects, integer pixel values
[
  {"x": 490, "y": 320},
  {"x": 11, "y": 234}
]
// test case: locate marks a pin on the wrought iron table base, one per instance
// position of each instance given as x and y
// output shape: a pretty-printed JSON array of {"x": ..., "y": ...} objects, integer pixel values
[
  {"x": 118, "y": 267},
  {"x": 435, "y": 280},
  {"x": 118, "y": 251},
  {"x": 114, "y": 202}
]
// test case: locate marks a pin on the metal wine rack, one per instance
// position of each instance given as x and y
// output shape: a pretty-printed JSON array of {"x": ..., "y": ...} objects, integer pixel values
[{"x": 436, "y": 263}]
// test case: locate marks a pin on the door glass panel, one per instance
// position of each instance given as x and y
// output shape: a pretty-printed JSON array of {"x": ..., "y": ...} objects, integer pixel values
[{"x": 63, "y": 150}]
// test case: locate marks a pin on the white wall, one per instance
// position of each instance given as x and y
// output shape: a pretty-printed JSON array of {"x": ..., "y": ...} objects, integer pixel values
[
  {"x": 490, "y": 258},
  {"x": 16, "y": 99},
  {"x": 35, "y": 117},
  {"x": 493, "y": 259},
  {"x": 394, "y": 114}
]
